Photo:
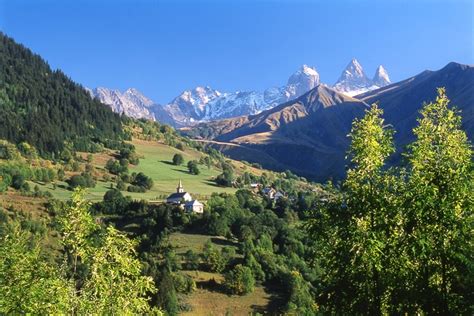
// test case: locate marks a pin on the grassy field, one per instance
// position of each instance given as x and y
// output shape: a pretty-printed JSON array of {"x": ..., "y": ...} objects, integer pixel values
[
  {"x": 207, "y": 300},
  {"x": 210, "y": 298},
  {"x": 183, "y": 242},
  {"x": 155, "y": 162}
]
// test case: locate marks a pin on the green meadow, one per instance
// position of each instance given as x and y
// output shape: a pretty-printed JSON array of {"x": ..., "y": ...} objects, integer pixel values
[{"x": 155, "y": 162}]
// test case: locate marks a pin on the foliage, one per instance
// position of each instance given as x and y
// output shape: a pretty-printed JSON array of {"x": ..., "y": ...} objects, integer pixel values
[
  {"x": 28, "y": 283},
  {"x": 84, "y": 180},
  {"x": 213, "y": 258},
  {"x": 45, "y": 108},
  {"x": 193, "y": 167},
  {"x": 410, "y": 226},
  {"x": 112, "y": 282},
  {"x": 178, "y": 159},
  {"x": 143, "y": 181},
  {"x": 240, "y": 280},
  {"x": 226, "y": 178}
]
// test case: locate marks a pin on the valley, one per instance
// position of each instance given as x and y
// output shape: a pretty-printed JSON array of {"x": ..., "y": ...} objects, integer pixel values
[{"x": 153, "y": 162}]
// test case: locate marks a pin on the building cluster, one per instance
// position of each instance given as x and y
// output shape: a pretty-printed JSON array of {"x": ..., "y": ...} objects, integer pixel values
[{"x": 268, "y": 192}]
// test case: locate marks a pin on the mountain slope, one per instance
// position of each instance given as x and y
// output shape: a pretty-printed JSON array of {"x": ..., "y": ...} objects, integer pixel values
[
  {"x": 309, "y": 135},
  {"x": 402, "y": 101},
  {"x": 45, "y": 108}
]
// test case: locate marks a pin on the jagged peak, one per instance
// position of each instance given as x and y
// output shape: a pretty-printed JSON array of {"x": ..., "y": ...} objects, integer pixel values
[
  {"x": 381, "y": 77},
  {"x": 353, "y": 69}
]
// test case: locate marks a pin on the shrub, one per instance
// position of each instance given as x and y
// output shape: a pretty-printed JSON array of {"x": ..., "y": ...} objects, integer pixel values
[
  {"x": 18, "y": 181},
  {"x": 191, "y": 260},
  {"x": 114, "y": 167},
  {"x": 76, "y": 181},
  {"x": 240, "y": 280},
  {"x": 144, "y": 181},
  {"x": 178, "y": 159},
  {"x": 193, "y": 167},
  {"x": 5, "y": 181},
  {"x": 183, "y": 283},
  {"x": 136, "y": 188}
]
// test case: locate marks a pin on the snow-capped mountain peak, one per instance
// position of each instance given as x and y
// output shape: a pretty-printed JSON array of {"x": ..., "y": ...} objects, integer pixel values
[
  {"x": 303, "y": 80},
  {"x": 132, "y": 102},
  {"x": 191, "y": 105},
  {"x": 354, "y": 81},
  {"x": 353, "y": 73},
  {"x": 381, "y": 77}
]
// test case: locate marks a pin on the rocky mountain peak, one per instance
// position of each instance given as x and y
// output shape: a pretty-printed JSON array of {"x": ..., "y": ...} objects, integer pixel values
[
  {"x": 381, "y": 77},
  {"x": 354, "y": 81},
  {"x": 303, "y": 80}
]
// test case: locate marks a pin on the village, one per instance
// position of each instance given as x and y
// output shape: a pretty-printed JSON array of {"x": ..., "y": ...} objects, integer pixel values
[{"x": 186, "y": 201}]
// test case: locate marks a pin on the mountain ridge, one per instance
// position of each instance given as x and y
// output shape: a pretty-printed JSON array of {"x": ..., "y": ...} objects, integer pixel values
[{"x": 309, "y": 134}]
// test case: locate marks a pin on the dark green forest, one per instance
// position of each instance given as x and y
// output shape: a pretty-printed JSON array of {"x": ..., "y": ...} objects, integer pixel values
[{"x": 45, "y": 108}]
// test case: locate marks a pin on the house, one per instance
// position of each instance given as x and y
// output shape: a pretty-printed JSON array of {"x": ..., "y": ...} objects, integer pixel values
[
  {"x": 278, "y": 195},
  {"x": 194, "y": 206},
  {"x": 269, "y": 192},
  {"x": 179, "y": 196}
]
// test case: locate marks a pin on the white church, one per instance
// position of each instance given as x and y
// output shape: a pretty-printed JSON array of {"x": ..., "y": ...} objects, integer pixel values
[{"x": 185, "y": 200}]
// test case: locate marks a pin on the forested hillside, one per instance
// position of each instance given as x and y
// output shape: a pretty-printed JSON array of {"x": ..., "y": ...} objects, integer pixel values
[{"x": 45, "y": 108}]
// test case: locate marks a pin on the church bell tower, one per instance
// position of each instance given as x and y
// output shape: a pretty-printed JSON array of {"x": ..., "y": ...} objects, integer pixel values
[{"x": 180, "y": 188}]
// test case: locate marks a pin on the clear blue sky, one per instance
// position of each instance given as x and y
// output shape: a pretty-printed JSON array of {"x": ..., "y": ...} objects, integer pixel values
[{"x": 164, "y": 47}]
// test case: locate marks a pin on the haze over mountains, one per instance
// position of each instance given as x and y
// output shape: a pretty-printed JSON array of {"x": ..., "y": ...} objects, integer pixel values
[{"x": 203, "y": 104}]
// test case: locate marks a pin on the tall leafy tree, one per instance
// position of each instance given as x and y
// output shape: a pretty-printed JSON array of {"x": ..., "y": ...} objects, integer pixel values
[
  {"x": 439, "y": 217},
  {"x": 355, "y": 229},
  {"x": 112, "y": 282}
]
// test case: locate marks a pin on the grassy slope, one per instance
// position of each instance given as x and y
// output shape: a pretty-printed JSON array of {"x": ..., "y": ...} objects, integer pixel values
[
  {"x": 155, "y": 162},
  {"x": 206, "y": 300}
]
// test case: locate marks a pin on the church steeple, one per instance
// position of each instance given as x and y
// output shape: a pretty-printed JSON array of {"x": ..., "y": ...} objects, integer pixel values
[{"x": 180, "y": 188}]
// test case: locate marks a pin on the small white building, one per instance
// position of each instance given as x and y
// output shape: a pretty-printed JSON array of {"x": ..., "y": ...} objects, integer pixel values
[
  {"x": 185, "y": 200},
  {"x": 179, "y": 196},
  {"x": 194, "y": 206}
]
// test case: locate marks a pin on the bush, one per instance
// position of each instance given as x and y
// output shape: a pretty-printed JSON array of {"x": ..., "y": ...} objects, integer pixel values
[
  {"x": 212, "y": 258},
  {"x": 226, "y": 178},
  {"x": 121, "y": 185},
  {"x": 178, "y": 159},
  {"x": 5, "y": 181},
  {"x": 193, "y": 167},
  {"x": 183, "y": 283},
  {"x": 136, "y": 188},
  {"x": 18, "y": 181},
  {"x": 84, "y": 180},
  {"x": 112, "y": 195},
  {"x": 191, "y": 260},
  {"x": 115, "y": 167},
  {"x": 239, "y": 280},
  {"x": 76, "y": 181},
  {"x": 144, "y": 181}
]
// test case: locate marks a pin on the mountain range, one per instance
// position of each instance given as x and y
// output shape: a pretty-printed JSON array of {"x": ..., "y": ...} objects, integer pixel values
[
  {"x": 309, "y": 134},
  {"x": 204, "y": 104}
]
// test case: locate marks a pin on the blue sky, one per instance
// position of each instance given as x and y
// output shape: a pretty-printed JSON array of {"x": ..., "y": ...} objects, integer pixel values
[{"x": 164, "y": 47}]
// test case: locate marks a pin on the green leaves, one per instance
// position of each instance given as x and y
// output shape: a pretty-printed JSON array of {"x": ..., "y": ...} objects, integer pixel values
[
  {"x": 401, "y": 240},
  {"x": 28, "y": 284},
  {"x": 113, "y": 283}
]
